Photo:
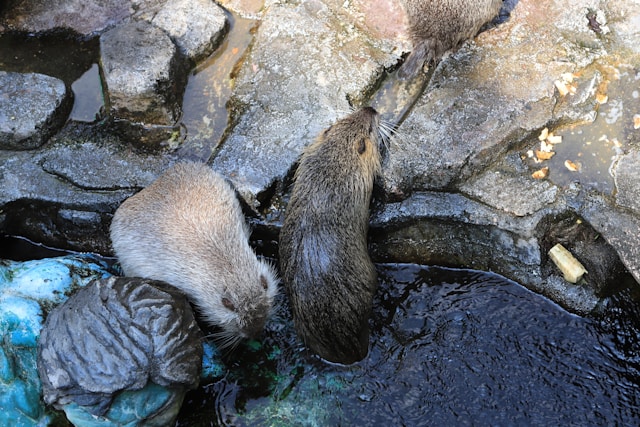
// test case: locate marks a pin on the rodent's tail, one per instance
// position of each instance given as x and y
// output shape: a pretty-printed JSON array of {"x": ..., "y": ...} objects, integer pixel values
[{"x": 420, "y": 55}]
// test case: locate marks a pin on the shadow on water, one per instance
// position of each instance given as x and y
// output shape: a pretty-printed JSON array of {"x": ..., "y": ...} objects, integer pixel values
[
  {"x": 448, "y": 347},
  {"x": 54, "y": 54},
  {"x": 21, "y": 249}
]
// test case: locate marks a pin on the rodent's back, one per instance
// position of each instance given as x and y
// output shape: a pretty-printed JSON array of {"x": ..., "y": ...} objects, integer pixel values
[
  {"x": 187, "y": 229},
  {"x": 437, "y": 26},
  {"x": 329, "y": 277},
  {"x": 175, "y": 217},
  {"x": 333, "y": 186}
]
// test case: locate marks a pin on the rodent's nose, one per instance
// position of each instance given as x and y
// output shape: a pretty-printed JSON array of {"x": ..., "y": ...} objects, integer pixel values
[
  {"x": 370, "y": 110},
  {"x": 254, "y": 329}
]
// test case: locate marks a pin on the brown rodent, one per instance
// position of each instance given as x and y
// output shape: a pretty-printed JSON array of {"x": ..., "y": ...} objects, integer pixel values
[
  {"x": 187, "y": 229},
  {"x": 437, "y": 26},
  {"x": 328, "y": 275}
]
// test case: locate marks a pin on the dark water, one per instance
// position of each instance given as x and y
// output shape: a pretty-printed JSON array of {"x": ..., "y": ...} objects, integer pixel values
[
  {"x": 18, "y": 248},
  {"x": 448, "y": 347}
]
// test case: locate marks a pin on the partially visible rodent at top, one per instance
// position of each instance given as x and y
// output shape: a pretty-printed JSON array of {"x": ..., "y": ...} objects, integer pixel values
[
  {"x": 437, "y": 26},
  {"x": 327, "y": 273},
  {"x": 187, "y": 229}
]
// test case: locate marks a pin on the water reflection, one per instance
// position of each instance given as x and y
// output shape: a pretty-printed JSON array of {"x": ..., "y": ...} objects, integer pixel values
[
  {"x": 88, "y": 96},
  {"x": 210, "y": 85},
  {"x": 596, "y": 147}
]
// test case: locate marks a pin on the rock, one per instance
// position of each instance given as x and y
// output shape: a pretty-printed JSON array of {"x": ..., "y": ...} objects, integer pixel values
[
  {"x": 623, "y": 22},
  {"x": 66, "y": 192},
  {"x": 618, "y": 227},
  {"x": 605, "y": 271},
  {"x": 82, "y": 17},
  {"x": 627, "y": 179},
  {"x": 196, "y": 27},
  {"x": 32, "y": 107},
  {"x": 117, "y": 335},
  {"x": 144, "y": 79},
  {"x": 452, "y": 230},
  {"x": 126, "y": 170},
  {"x": 459, "y": 138},
  {"x": 477, "y": 107},
  {"x": 27, "y": 290},
  {"x": 382, "y": 19},
  {"x": 246, "y": 8},
  {"x": 517, "y": 194},
  {"x": 290, "y": 88}
]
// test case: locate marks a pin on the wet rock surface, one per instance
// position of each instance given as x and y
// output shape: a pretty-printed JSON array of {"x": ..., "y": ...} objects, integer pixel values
[
  {"x": 81, "y": 17},
  {"x": 627, "y": 174},
  {"x": 292, "y": 86},
  {"x": 133, "y": 90},
  {"x": 195, "y": 26},
  {"x": 82, "y": 176},
  {"x": 32, "y": 107},
  {"x": 457, "y": 185},
  {"x": 143, "y": 78}
]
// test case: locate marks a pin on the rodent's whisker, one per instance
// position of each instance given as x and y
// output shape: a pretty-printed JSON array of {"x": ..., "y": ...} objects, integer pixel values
[
  {"x": 387, "y": 132},
  {"x": 225, "y": 341}
]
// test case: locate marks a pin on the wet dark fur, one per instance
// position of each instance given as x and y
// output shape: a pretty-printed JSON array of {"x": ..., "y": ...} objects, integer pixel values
[{"x": 327, "y": 272}]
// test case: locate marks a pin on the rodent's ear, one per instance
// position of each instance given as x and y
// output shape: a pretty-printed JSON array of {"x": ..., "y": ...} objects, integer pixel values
[
  {"x": 227, "y": 303},
  {"x": 362, "y": 145}
]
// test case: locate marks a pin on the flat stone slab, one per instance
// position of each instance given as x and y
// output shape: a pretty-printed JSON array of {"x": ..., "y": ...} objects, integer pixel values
[
  {"x": 195, "y": 26},
  {"x": 516, "y": 194},
  {"x": 83, "y": 17},
  {"x": 139, "y": 65},
  {"x": 291, "y": 87},
  {"x": 32, "y": 107},
  {"x": 67, "y": 189}
]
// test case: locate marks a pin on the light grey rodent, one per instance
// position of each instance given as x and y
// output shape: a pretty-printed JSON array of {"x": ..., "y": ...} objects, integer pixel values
[
  {"x": 328, "y": 275},
  {"x": 437, "y": 26},
  {"x": 187, "y": 229}
]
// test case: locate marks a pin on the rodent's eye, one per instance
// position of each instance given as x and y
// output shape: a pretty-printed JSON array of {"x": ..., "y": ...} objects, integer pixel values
[
  {"x": 362, "y": 146},
  {"x": 263, "y": 282},
  {"x": 227, "y": 303}
]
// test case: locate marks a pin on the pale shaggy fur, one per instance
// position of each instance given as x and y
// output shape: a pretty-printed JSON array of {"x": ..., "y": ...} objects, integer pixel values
[
  {"x": 327, "y": 272},
  {"x": 187, "y": 229},
  {"x": 437, "y": 26}
]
